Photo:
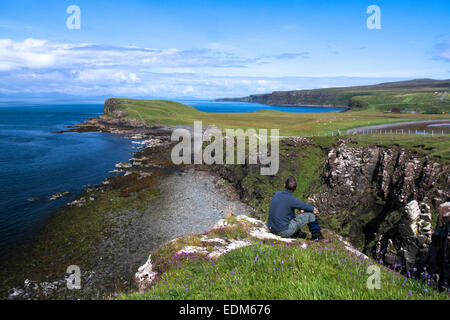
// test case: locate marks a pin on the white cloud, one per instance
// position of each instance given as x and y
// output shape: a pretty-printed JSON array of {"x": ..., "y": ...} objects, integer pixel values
[
  {"x": 443, "y": 51},
  {"x": 85, "y": 69},
  {"x": 39, "y": 54}
]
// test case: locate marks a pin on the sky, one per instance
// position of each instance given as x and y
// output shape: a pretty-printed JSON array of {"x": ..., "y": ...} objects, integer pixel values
[{"x": 211, "y": 49}]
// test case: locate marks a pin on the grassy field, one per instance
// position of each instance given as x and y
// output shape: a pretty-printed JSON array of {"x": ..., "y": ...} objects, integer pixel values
[
  {"x": 290, "y": 124},
  {"x": 275, "y": 270},
  {"x": 427, "y": 101},
  {"x": 435, "y": 147}
]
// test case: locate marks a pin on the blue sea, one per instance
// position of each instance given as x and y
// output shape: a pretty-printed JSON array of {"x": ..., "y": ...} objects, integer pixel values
[
  {"x": 37, "y": 162},
  {"x": 240, "y": 107}
]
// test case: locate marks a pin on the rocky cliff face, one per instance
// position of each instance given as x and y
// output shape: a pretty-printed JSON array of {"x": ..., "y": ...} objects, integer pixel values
[
  {"x": 372, "y": 185},
  {"x": 111, "y": 105},
  {"x": 389, "y": 199},
  {"x": 299, "y": 98}
]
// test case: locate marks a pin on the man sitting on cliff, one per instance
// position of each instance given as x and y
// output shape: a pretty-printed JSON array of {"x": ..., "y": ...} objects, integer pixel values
[{"x": 282, "y": 219}]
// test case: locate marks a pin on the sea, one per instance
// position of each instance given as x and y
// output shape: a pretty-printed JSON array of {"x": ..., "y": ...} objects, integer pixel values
[{"x": 37, "y": 162}]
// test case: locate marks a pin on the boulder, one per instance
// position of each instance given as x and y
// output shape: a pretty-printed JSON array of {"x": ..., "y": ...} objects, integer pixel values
[
  {"x": 440, "y": 247},
  {"x": 406, "y": 245}
]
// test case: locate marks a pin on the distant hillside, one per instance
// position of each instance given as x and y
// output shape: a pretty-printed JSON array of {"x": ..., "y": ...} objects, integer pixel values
[{"x": 421, "y": 95}]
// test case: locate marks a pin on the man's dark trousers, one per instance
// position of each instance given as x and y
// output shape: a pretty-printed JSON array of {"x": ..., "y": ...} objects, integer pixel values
[{"x": 298, "y": 222}]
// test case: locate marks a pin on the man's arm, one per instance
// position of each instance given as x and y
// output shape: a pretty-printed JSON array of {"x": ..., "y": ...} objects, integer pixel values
[{"x": 302, "y": 206}]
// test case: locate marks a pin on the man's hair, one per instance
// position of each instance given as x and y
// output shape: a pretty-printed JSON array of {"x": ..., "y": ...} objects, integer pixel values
[{"x": 291, "y": 183}]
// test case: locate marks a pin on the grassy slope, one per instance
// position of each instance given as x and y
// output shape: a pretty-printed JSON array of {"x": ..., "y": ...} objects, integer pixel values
[
  {"x": 426, "y": 100},
  {"x": 274, "y": 270},
  {"x": 437, "y": 147},
  {"x": 290, "y": 124}
]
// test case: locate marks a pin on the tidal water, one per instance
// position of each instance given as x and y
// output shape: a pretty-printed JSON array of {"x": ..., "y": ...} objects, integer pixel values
[
  {"x": 240, "y": 107},
  {"x": 37, "y": 162}
]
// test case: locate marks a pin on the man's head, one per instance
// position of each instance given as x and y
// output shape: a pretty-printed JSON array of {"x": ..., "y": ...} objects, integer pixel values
[{"x": 290, "y": 184}]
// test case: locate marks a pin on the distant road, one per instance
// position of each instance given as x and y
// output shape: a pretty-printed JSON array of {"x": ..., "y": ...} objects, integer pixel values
[{"x": 396, "y": 125}]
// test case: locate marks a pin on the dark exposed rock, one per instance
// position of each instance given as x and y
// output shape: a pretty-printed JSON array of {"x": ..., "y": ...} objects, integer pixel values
[
  {"x": 439, "y": 254},
  {"x": 372, "y": 182},
  {"x": 406, "y": 244},
  {"x": 111, "y": 105}
]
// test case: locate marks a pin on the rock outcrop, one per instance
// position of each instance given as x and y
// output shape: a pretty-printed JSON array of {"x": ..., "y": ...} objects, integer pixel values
[
  {"x": 111, "y": 105},
  {"x": 366, "y": 187},
  {"x": 439, "y": 254},
  {"x": 407, "y": 244},
  {"x": 412, "y": 246}
]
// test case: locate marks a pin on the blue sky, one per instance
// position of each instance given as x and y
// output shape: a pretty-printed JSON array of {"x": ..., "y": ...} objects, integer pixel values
[{"x": 211, "y": 49}]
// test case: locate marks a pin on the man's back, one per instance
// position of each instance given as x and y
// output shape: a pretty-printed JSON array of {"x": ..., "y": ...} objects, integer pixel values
[{"x": 281, "y": 210}]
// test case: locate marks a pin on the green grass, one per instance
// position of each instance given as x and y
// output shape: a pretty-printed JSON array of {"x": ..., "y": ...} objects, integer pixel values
[
  {"x": 268, "y": 270},
  {"x": 309, "y": 168},
  {"x": 425, "y": 100},
  {"x": 436, "y": 147},
  {"x": 290, "y": 124}
]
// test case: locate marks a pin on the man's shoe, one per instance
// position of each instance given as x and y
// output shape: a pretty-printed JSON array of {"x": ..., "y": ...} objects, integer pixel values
[
  {"x": 300, "y": 234},
  {"x": 317, "y": 236}
]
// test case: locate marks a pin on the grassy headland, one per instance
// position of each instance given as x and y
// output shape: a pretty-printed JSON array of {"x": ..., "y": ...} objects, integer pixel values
[{"x": 290, "y": 124}]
